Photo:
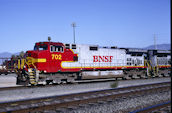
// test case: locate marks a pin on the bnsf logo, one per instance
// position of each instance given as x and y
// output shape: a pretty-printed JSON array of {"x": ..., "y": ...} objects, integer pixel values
[{"x": 102, "y": 58}]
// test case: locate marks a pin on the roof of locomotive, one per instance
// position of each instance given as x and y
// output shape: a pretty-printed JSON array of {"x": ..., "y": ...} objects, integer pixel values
[
  {"x": 49, "y": 43},
  {"x": 59, "y": 43},
  {"x": 107, "y": 47}
]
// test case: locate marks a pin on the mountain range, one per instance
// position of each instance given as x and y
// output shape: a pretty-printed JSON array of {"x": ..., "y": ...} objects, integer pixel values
[
  {"x": 7, "y": 54},
  {"x": 160, "y": 47}
]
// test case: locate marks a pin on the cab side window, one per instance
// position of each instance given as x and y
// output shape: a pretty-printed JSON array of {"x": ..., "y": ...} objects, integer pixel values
[
  {"x": 52, "y": 49},
  {"x": 56, "y": 48}
]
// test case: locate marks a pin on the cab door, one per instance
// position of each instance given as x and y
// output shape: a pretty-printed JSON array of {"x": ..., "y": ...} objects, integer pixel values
[{"x": 55, "y": 58}]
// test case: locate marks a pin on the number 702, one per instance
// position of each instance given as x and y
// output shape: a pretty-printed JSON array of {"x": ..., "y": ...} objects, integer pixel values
[{"x": 56, "y": 56}]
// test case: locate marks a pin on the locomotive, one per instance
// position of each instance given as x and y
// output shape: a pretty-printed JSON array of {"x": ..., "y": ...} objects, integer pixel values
[
  {"x": 8, "y": 66},
  {"x": 56, "y": 62}
]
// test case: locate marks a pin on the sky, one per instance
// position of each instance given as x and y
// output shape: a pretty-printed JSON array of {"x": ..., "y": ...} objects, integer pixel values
[{"x": 121, "y": 23}]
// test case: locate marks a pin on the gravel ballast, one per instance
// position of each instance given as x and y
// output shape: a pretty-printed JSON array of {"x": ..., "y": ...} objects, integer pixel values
[{"x": 124, "y": 105}]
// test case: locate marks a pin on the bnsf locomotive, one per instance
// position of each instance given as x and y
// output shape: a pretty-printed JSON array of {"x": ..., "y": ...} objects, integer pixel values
[{"x": 55, "y": 62}]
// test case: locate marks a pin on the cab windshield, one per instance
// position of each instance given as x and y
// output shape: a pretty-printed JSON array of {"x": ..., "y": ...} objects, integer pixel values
[{"x": 40, "y": 47}]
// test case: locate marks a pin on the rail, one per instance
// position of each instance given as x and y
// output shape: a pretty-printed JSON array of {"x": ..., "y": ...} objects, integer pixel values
[
  {"x": 67, "y": 100},
  {"x": 152, "y": 108},
  {"x": 19, "y": 87}
]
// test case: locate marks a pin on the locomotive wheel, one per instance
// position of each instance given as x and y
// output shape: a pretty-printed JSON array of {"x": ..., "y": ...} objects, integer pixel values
[
  {"x": 79, "y": 76},
  {"x": 23, "y": 79},
  {"x": 19, "y": 81},
  {"x": 49, "y": 82}
]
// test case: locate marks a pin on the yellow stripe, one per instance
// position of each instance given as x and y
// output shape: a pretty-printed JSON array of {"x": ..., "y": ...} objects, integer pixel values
[
  {"x": 34, "y": 60},
  {"x": 72, "y": 51},
  {"x": 41, "y": 60},
  {"x": 164, "y": 65}
]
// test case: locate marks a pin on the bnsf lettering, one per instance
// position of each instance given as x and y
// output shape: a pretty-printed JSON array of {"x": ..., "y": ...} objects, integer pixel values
[{"x": 102, "y": 58}]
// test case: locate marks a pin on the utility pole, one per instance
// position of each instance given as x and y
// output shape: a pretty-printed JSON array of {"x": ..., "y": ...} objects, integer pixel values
[
  {"x": 155, "y": 59},
  {"x": 155, "y": 42},
  {"x": 73, "y": 25}
]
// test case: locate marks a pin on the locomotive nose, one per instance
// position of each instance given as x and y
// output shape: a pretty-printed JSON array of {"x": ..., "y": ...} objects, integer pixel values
[{"x": 30, "y": 57}]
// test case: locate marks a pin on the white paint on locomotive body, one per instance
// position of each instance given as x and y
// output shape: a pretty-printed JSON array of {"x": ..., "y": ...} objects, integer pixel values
[
  {"x": 102, "y": 73},
  {"x": 135, "y": 60},
  {"x": 159, "y": 57},
  {"x": 102, "y": 57},
  {"x": 164, "y": 60}
]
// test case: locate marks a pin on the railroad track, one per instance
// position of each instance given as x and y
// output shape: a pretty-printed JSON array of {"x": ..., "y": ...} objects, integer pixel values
[
  {"x": 51, "y": 85},
  {"x": 71, "y": 101},
  {"x": 154, "y": 108}
]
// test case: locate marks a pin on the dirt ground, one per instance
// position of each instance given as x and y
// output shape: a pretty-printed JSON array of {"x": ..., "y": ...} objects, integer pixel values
[{"x": 8, "y": 80}]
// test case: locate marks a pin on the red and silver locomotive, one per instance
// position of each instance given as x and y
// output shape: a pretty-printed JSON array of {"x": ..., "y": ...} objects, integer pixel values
[{"x": 55, "y": 62}]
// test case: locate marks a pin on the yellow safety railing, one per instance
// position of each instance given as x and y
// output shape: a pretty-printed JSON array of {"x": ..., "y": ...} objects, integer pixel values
[
  {"x": 152, "y": 68},
  {"x": 21, "y": 63},
  {"x": 18, "y": 63}
]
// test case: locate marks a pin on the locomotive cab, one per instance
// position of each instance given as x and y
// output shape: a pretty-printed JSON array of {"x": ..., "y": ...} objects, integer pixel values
[
  {"x": 46, "y": 56},
  {"x": 37, "y": 58}
]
